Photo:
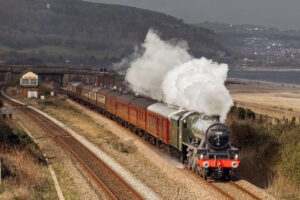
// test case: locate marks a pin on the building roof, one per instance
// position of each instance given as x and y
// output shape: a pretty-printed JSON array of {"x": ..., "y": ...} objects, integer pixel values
[{"x": 28, "y": 70}]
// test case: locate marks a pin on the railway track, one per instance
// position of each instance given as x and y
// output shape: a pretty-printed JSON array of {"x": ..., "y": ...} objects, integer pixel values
[
  {"x": 114, "y": 186},
  {"x": 244, "y": 190},
  {"x": 226, "y": 189},
  {"x": 218, "y": 187}
]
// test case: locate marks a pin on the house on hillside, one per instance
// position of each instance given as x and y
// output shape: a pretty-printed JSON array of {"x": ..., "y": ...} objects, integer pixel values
[{"x": 29, "y": 83}]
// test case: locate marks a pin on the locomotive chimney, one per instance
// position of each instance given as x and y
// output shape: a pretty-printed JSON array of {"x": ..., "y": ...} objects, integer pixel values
[{"x": 216, "y": 118}]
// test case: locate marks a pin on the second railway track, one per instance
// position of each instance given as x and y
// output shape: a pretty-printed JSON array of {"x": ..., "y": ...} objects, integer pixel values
[{"x": 114, "y": 186}]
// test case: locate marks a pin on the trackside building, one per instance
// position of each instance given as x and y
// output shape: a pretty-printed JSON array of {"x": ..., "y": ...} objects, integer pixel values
[{"x": 29, "y": 83}]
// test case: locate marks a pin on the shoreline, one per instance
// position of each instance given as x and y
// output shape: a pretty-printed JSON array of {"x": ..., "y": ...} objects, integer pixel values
[
  {"x": 271, "y": 69},
  {"x": 231, "y": 80},
  {"x": 276, "y": 100}
]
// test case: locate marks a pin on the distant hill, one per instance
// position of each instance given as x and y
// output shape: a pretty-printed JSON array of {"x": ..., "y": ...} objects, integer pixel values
[
  {"x": 257, "y": 45},
  {"x": 77, "y": 33}
]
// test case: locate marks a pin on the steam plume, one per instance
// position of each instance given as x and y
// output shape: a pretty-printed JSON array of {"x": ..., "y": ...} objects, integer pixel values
[{"x": 169, "y": 73}]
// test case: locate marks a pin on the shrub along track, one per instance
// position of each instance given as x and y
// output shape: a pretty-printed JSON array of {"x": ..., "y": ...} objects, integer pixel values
[{"x": 114, "y": 186}]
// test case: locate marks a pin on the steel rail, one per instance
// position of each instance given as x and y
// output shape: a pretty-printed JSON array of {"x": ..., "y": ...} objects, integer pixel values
[
  {"x": 113, "y": 191},
  {"x": 198, "y": 178},
  {"x": 244, "y": 190}
]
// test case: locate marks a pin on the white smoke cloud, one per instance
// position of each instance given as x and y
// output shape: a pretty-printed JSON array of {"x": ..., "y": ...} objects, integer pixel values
[
  {"x": 122, "y": 66},
  {"x": 198, "y": 85},
  {"x": 169, "y": 73},
  {"x": 147, "y": 72}
]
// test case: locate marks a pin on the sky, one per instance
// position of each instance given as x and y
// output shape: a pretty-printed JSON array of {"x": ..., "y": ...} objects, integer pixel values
[{"x": 271, "y": 13}]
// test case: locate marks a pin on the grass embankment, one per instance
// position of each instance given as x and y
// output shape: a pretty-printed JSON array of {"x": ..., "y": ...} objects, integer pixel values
[
  {"x": 270, "y": 155},
  {"x": 64, "y": 112},
  {"x": 24, "y": 170}
]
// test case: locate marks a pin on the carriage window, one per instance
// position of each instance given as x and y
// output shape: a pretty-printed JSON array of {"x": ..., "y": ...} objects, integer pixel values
[{"x": 184, "y": 124}]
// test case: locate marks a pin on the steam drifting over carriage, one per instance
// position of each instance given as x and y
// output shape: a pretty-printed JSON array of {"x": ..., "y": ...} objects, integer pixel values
[{"x": 200, "y": 141}]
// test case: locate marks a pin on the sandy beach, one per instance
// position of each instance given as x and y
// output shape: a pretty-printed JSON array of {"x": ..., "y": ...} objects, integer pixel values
[{"x": 273, "y": 99}]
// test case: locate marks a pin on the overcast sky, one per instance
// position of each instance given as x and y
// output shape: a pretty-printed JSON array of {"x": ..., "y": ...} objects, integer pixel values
[{"x": 275, "y": 13}]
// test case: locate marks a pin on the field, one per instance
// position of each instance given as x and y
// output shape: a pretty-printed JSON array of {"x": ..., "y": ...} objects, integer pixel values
[{"x": 272, "y": 99}]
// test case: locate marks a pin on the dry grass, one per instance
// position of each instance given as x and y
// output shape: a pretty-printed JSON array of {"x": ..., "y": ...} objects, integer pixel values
[
  {"x": 269, "y": 156},
  {"x": 24, "y": 178},
  {"x": 82, "y": 123},
  {"x": 24, "y": 173},
  {"x": 19, "y": 193},
  {"x": 270, "y": 104},
  {"x": 13, "y": 163},
  {"x": 73, "y": 183},
  {"x": 283, "y": 188}
]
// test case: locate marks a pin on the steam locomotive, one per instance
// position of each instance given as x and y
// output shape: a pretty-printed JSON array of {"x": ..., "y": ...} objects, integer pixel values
[{"x": 199, "y": 140}]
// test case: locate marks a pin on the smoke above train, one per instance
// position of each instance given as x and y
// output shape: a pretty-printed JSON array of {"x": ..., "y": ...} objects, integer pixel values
[{"x": 165, "y": 71}]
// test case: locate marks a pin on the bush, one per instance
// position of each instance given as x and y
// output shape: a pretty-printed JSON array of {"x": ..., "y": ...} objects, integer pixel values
[
  {"x": 290, "y": 155},
  {"x": 249, "y": 114},
  {"x": 258, "y": 151},
  {"x": 242, "y": 113},
  {"x": 127, "y": 146},
  {"x": 268, "y": 152},
  {"x": 20, "y": 140}
]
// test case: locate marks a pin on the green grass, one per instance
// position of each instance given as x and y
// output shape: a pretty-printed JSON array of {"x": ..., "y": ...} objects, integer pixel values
[
  {"x": 1, "y": 189},
  {"x": 62, "y": 51},
  {"x": 4, "y": 48}
]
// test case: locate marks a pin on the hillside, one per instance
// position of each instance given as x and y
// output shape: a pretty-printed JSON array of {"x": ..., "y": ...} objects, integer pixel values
[
  {"x": 259, "y": 46},
  {"x": 77, "y": 33}
]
